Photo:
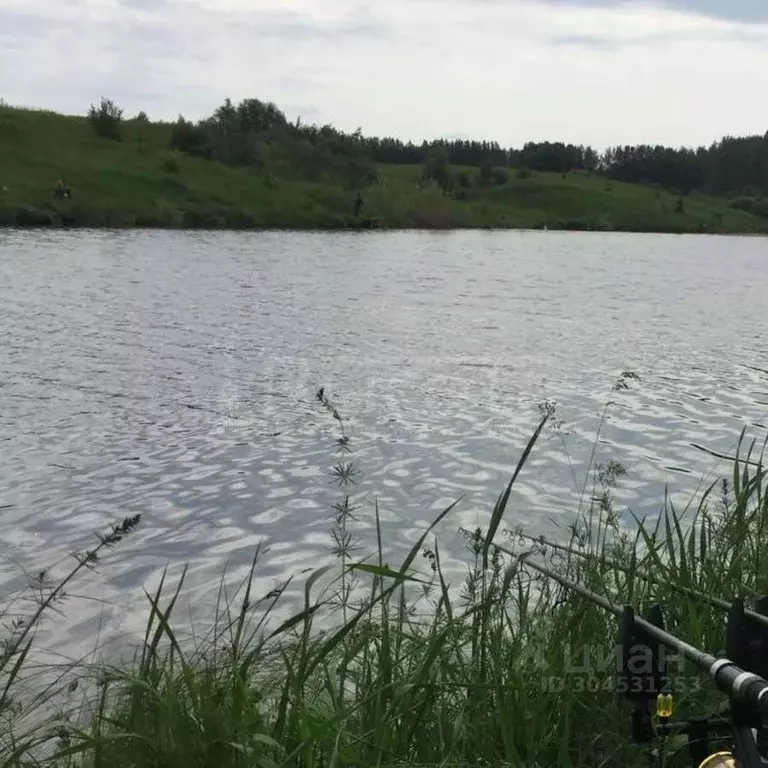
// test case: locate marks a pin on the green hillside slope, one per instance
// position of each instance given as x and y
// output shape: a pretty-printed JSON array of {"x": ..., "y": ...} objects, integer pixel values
[{"x": 139, "y": 182}]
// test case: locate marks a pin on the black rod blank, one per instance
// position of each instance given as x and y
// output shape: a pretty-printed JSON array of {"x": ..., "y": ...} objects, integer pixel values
[
  {"x": 757, "y": 618},
  {"x": 736, "y": 683}
]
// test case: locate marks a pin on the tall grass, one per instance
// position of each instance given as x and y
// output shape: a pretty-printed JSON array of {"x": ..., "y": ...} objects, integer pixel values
[{"x": 505, "y": 669}]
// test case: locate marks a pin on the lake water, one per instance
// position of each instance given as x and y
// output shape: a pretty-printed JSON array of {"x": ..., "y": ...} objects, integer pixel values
[{"x": 174, "y": 374}]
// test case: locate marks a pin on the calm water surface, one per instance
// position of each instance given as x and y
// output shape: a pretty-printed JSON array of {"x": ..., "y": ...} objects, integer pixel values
[{"x": 174, "y": 374}]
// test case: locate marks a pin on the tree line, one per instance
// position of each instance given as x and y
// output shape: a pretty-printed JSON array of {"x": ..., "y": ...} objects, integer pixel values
[
  {"x": 256, "y": 133},
  {"x": 535, "y": 156},
  {"x": 730, "y": 167}
]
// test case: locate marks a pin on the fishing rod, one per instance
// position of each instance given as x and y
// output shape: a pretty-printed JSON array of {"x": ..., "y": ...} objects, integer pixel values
[
  {"x": 644, "y": 681},
  {"x": 758, "y": 616}
]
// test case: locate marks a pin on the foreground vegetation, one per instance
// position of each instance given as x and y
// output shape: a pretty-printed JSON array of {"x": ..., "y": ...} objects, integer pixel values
[
  {"x": 250, "y": 169},
  {"x": 387, "y": 666}
]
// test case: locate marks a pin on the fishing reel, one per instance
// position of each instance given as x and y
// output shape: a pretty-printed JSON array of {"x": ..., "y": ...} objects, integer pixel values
[
  {"x": 719, "y": 760},
  {"x": 740, "y": 732}
]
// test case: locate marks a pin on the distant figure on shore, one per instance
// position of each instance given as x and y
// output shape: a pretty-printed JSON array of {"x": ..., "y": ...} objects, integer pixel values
[
  {"x": 358, "y": 205},
  {"x": 61, "y": 190}
]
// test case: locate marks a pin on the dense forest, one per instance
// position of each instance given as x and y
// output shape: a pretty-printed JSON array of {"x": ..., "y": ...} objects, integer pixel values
[{"x": 258, "y": 133}]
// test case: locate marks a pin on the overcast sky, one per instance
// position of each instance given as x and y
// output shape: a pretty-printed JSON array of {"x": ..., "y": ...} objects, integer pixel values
[{"x": 594, "y": 71}]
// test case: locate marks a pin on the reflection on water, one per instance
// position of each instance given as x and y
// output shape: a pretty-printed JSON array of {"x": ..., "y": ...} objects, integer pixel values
[{"x": 173, "y": 374}]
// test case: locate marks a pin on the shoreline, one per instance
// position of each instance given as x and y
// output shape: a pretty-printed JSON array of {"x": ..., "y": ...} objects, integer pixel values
[
  {"x": 335, "y": 228},
  {"x": 61, "y": 172}
]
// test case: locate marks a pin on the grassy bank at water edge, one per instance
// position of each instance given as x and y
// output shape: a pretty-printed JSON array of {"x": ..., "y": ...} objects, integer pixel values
[
  {"x": 138, "y": 182},
  {"x": 413, "y": 670}
]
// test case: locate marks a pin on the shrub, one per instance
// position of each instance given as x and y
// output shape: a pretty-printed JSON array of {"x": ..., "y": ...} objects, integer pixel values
[
  {"x": 107, "y": 120},
  {"x": 437, "y": 168},
  {"x": 171, "y": 165},
  {"x": 190, "y": 139},
  {"x": 485, "y": 177},
  {"x": 499, "y": 177},
  {"x": 492, "y": 177},
  {"x": 754, "y": 205}
]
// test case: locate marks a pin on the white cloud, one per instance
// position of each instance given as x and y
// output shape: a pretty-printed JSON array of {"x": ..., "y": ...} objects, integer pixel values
[{"x": 508, "y": 71}]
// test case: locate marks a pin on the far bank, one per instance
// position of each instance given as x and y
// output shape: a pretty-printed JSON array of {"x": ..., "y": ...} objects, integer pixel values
[{"x": 138, "y": 182}]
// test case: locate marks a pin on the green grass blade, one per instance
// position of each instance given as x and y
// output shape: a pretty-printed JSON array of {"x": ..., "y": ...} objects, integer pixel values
[{"x": 501, "y": 504}]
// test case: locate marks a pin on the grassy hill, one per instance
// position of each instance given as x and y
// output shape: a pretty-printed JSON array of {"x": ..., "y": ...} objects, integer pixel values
[{"x": 140, "y": 183}]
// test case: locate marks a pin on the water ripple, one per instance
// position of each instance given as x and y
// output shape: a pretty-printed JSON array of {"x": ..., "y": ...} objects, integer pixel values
[{"x": 173, "y": 374}]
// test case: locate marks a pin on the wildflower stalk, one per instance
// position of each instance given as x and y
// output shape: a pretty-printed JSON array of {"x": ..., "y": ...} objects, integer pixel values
[
  {"x": 15, "y": 649},
  {"x": 18, "y": 645},
  {"x": 343, "y": 473}
]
